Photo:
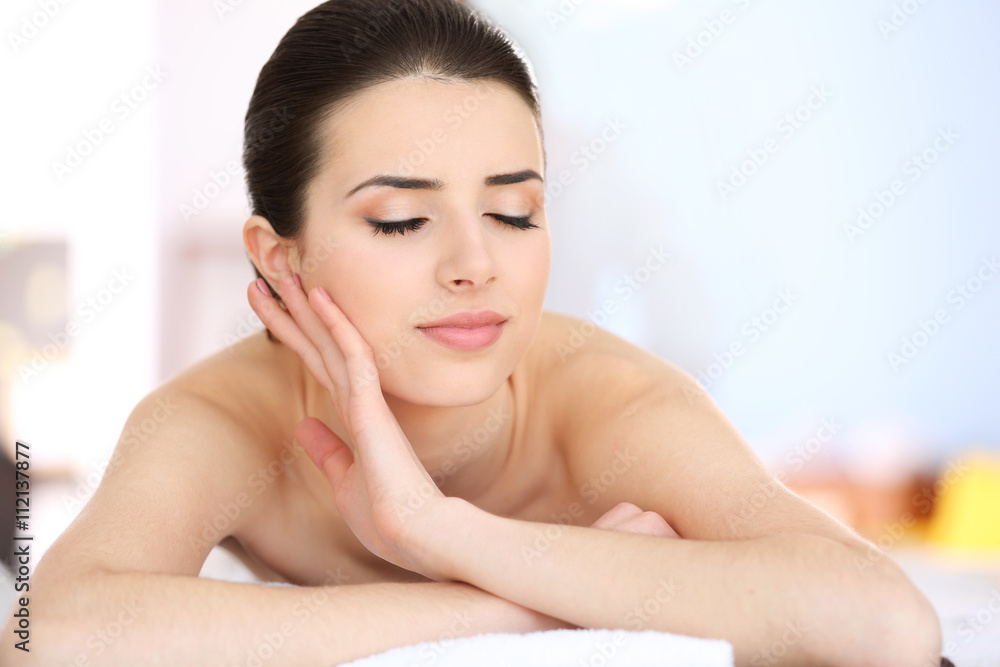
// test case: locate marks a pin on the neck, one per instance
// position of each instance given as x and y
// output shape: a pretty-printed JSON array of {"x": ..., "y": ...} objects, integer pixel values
[{"x": 465, "y": 449}]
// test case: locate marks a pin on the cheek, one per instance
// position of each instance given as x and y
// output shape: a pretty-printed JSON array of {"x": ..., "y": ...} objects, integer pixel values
[
  {"x": 371, "y": 288},
  {"x": 533, "y": 266}
]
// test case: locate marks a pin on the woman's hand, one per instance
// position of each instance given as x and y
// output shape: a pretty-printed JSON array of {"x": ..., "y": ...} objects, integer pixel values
[
  {"x": 380, "y": 487},
  {"x": 628, "y": 518}
]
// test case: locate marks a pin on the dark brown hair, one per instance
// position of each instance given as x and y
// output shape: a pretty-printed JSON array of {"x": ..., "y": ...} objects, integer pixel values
[{"x": 340, "y": 48}]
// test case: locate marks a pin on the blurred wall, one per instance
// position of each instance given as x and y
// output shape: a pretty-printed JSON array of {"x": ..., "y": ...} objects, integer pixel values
[
  {"x": 741, "y": 137},
  {"x": 753, "y": 133},
  {"x": 79, "y": 124}
]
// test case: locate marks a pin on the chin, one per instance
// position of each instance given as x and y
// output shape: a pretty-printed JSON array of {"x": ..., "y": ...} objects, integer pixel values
[{"x": 446, "y": 385}]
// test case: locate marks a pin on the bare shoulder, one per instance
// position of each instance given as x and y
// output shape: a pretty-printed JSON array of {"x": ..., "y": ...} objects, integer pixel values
[
  {"x": 640, "y": 430},
  {"x": 239, "y": 387},
  {"x": 248, "y": 378},
  {"x": 598, "y": 374},
  {"x": 186, "y": 450},
  {"x": 250, "y": 390}
]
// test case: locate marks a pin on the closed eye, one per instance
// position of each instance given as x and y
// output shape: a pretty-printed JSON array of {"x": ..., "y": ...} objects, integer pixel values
[{"x": 401, "y": 227}]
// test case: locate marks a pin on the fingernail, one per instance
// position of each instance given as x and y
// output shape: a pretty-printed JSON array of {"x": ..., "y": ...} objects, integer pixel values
[
  {"x": 298, "y": 281},
  {"x": 323, "y": 293},
  {"x": 262, "y": 286}
]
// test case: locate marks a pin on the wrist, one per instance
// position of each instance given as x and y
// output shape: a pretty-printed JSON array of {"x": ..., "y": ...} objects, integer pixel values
[
  {"x": 496, "y": 614},
  {"x": 440, "y": 537}
]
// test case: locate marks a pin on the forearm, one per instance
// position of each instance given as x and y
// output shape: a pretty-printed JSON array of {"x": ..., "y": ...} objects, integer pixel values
[
  {"x": 159, "y": 619},
  {"x": 799, "y": 593}
]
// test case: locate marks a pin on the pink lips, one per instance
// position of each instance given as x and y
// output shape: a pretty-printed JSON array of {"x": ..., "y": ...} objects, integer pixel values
[
  {"x": 466, "y": 331},
  {"x": 460, "y": 338}
]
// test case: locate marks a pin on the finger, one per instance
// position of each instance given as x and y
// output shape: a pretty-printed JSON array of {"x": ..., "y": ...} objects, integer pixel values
[
  {"x": 388, "y": 461},
  {"x": 281, "y": 324},
  {"x": 359, "y": 360},
  {"x": 616, "y": 515},
  {"x": 315, "y": 330},
  {"x": 325, "y": 448},
  {"x": 647, "y": 523}
]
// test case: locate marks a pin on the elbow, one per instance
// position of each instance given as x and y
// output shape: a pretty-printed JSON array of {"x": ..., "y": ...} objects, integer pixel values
[
  {"x": 918, "y": 639},
  {"x": 871, "y": 616},
  {"x": 904, "y": 626}
]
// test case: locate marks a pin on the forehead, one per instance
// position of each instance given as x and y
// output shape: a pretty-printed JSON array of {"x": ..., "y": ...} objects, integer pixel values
[{"x": 422, "y": 126}]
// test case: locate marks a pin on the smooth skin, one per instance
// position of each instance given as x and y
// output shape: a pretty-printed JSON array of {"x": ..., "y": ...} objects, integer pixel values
[
  {"x": 787, "y": 582},
  {"x": 441, "y": 467},
  {"x": 376, "y": 478}
]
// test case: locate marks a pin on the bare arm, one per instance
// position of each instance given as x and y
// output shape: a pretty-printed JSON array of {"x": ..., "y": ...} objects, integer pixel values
[
  {"x": 794, "y": 596},
  {"x": 120, "y": 585},
  {"x": 164, "y": 619},
  {"x": 798, "y": 590}
]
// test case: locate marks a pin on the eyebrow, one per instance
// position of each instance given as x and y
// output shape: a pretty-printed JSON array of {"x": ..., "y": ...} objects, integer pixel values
[{"x": 435, "y": 184}]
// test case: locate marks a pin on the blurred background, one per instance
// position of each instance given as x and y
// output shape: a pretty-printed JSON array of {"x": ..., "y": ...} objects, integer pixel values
[{"x": 822, "y": 175}]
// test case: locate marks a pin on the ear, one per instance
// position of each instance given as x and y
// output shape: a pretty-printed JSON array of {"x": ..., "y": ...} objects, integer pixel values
[{"x": 272, "y": 255}]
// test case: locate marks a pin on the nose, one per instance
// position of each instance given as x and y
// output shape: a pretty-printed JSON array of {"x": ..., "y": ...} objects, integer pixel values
[{"x": 467, "y": 257}]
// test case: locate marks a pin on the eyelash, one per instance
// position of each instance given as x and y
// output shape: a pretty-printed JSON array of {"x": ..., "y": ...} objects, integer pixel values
[{"x": 389, "y": 228}]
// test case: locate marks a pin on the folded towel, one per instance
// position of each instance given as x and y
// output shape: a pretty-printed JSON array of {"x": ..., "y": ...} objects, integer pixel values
[{"x": 557, "y": 648}]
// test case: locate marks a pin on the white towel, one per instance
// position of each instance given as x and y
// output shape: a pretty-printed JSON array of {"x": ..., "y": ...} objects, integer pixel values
[{"x": 559, "y": 648}]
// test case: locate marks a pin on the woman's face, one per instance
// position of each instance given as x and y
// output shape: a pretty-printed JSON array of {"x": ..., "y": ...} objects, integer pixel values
[{"x": 460, "y": 259}]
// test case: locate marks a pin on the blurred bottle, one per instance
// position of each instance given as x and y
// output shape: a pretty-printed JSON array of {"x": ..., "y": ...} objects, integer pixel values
[{"x": 966, "y": 515}]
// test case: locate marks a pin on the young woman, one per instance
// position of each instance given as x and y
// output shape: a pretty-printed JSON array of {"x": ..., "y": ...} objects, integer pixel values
[{"x": 456, "y": 435}]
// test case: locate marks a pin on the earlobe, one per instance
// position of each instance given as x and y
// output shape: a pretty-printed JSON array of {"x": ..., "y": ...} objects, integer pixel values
[{"x": 267, "y": 250}]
